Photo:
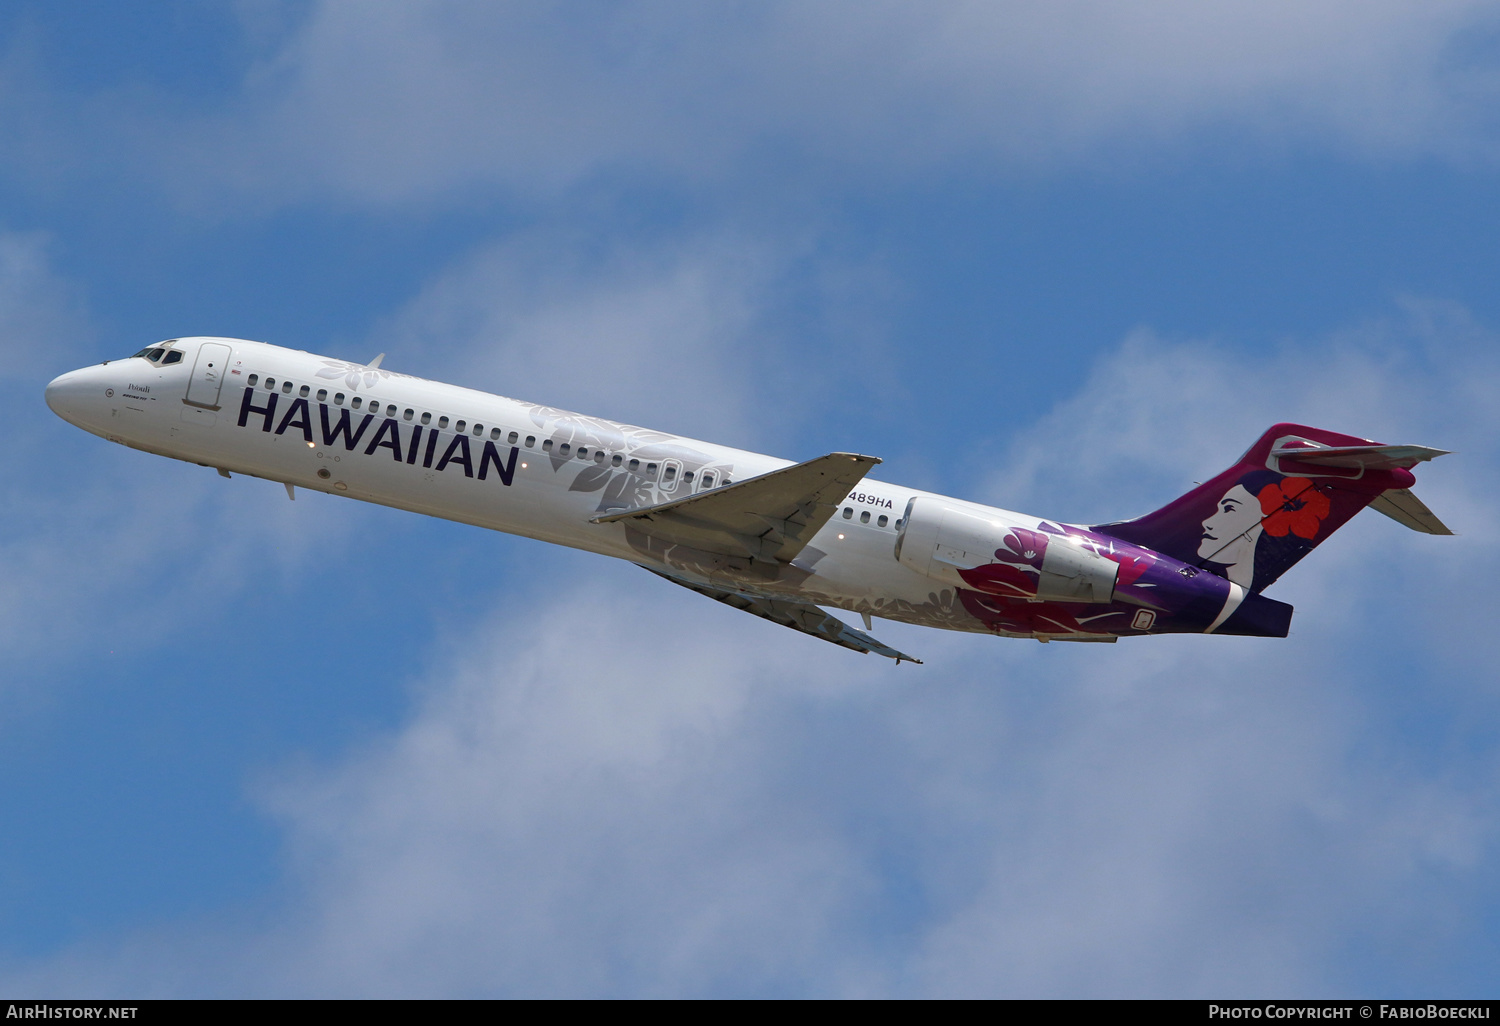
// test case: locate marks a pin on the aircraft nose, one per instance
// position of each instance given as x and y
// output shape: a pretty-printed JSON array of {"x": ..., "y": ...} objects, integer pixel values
[{"x": 68, "y": 395}]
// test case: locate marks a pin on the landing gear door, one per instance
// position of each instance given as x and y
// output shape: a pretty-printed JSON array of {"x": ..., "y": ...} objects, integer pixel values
[{"x": 208, "y": 375}]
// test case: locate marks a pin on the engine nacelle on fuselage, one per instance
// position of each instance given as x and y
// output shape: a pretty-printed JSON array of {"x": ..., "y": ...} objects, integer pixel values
[{"x": 985, "y": 551}]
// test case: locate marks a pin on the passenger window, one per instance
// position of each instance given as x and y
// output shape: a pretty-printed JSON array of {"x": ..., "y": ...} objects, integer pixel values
[
  {"x": 173, "y": 357},
  {"x": 708, "y": 480},
  {"x": 478, "y": 430},
  {"x": 408, "y": 414},
  {"x": 513, "y": 437},
  {"x": 864, "y": 516},
  {"x": 599, "y": 456},
  {"x": 898, "y": 523},
  {"x": 426, "y": 418},
  {"x": 252, "y": 379},
  {"x": 459, "y": 427},
  {"x": 670, "y": 473},
  {"x": 390, "y": 411},
  {"x": 688, "y": 477},
  {"x": 882, "y": 521},
  {"x": 303, "y": 391},
  {"x": 726, "y": 482},
  {"x": 616, "y": 460},
  {"x": 442, "y": 422},
  {"x": 635, "y": 464},
  {"x": 547, "y": 445},
  {"x": 848, "y": 512},
  {"x": 355, "y": 402},
  {"x": 322, "y": 395},
  {"x": 531, "y": 441},
  {"x": 583, "y": 452},
  {"x": 286, "y": 388},
  {"x": 270, "y": 384},
  {"x": 651, "y": 470},
  {"x": 564, "y": 449},
  {"x": 338, "y": 398},
  {"x": 494, "y": 434}
]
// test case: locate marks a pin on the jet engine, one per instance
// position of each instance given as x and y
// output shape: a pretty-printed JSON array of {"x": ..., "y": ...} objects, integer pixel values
[{"x": 980, "y": 551}]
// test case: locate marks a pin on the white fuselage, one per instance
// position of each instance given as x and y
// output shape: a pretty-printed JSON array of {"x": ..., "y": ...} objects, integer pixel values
[{"x": 481, "y": 459}]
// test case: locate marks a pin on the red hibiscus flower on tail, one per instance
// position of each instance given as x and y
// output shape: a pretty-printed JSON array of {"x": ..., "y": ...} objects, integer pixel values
[{"x": 1292, "y": 505}]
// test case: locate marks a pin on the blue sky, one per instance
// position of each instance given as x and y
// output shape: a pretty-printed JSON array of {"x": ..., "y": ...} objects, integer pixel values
[{"x": 1065, "y": 258}]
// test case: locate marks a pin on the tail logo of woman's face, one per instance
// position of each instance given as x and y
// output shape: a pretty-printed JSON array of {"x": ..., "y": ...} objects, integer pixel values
[
  {"x": 1294, "y": 505},
  {"x": 1281, "y": 507},
  {"x": 1230, "y": 534}
]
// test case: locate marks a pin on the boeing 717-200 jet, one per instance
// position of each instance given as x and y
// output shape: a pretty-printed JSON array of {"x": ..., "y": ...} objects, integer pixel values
[{"x": 771, "y": 537}]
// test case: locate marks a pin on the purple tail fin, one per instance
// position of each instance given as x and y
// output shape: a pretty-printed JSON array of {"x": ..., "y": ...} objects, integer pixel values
[{"x": 1255, "y": 520}]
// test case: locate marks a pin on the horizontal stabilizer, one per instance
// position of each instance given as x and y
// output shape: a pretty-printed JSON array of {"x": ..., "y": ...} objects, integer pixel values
[
  {"x": 1359, "y": 457},
  {"x": 1405, "y": 508},
  {"x": 770, "y": 517},
  {"x": 799, "y": 616}
]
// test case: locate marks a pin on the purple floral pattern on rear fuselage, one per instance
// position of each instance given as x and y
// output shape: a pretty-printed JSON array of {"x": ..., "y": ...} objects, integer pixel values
[
  {"x": 1174, "y": 596},
  {"x": 1023, "y": 546}
]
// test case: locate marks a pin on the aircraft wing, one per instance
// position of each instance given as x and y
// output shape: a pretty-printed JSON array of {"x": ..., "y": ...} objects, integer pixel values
[
  {"x": 769, "y": 517},
  {"x": 799, "y": 616}
]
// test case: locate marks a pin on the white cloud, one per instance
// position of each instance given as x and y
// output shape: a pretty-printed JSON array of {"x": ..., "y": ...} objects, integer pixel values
[
  {"x": 124, "y": 538},
  {"x": 393, "y": 103},
  {"x": 694, "y": 336},
  {"x": 601, "y": 794},
  {"x": 637, "y": 335},
  {"x": 574, "y": 813},
  {"x": 396, "y": 102}
]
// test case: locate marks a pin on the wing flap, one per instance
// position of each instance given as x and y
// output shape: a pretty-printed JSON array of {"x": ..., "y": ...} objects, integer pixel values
[
  {"x": 770, "y": 517},
  {"x": 1406, "y": 509},
  {"x": 799, "y": 616}
]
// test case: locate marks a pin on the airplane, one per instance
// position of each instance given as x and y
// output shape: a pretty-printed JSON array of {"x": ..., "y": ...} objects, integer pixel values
[{"x": 771, "y": 537}]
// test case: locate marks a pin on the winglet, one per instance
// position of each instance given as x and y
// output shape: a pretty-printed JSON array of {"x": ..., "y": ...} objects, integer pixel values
[{"x": 373, "y": 364}]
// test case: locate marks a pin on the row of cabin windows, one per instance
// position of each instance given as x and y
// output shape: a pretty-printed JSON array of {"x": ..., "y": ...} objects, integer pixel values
[
  {"x": 566, "y": 450},
  {"x": 864, "y": 517}
]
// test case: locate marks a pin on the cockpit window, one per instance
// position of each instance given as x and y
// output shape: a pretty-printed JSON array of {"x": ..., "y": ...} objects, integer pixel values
[
  {"x": 173, "y": 356},
  {"x": 155, "y": 353}
]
